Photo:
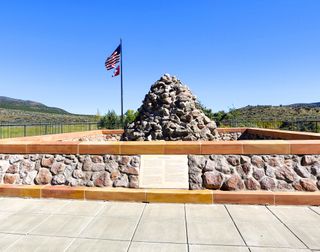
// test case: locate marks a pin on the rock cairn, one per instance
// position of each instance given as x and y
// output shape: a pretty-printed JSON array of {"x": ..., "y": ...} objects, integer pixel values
[{"x": 170, "y": 112}]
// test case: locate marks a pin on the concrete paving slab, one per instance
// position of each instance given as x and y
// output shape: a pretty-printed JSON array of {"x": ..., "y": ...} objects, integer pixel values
[
  {"x": 21, "y": 223},
  {"x": 93, "y": 245},
  {"x": 303, "y": 222},
  {"x": 162, "y": 223},
  {"x": 161, "y": 231},
  {"x": 62, "y": 225},
  {"x": 301, "y": 215},
  {"x": 157, "y": 247},
  {"x": 164, "y": 212},
  {"x": 8, "y": 239},
  {"x": 257, "y": 249},
  {"x": 263, "y": 229},
  {"x": 81, "y": 208},
  {"x": 122, "y": 210},
  {"x": 32, "y": 243},
  {"x": 14, "y": 204},
  {"x": 211, "y": 225},
  {"x": 44, "y": 206},
  {"x": 316, "y": 209},
  {"x": 210, "y": 248},
  {"x": 111, "y": 228}
]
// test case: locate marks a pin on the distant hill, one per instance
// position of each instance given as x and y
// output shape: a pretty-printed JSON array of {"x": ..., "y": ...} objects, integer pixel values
[
  {"x": 24, "y": 111},
  {"x": 305, "y": 105},
  {"x": 282, "y": 112},
  {"x": 25, "y": 105}
]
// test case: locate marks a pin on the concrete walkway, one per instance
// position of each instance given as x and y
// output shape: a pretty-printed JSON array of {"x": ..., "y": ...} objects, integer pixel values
[{"x": 66, "y": 225}]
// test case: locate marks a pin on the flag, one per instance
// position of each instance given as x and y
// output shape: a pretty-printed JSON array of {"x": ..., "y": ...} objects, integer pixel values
[
  {"x": 113, "y": 59},
  {"x": 116, "y": 71}
]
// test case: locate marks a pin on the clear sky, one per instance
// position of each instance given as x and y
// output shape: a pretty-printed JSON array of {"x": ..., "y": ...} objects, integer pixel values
[{"x": 230, "y": 53}]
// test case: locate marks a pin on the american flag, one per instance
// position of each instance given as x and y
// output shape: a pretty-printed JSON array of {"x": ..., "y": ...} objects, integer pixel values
[{"x": 113, "y": 59}]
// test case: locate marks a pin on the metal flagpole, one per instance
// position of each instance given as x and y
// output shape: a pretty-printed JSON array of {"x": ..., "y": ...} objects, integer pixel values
[{"x": 121, "y": 83}]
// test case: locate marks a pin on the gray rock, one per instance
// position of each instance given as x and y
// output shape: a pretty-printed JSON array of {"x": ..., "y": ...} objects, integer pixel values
[
  {"x": 267, "y": 183},
  {"x": 258, "y": 174},
  {"x": 122, "y": 181},
  {"x": 59, "y": 179},
  {"x": 302, "y": 171}
]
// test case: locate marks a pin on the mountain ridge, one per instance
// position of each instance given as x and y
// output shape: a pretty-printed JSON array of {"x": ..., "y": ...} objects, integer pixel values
[{"x": 28, "y": 105}]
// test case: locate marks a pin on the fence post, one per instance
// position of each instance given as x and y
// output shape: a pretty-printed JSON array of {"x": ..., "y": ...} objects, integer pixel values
[{"x": 24, "y": 130}]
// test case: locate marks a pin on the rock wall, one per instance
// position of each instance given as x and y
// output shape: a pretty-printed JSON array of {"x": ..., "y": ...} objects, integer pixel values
[
  {"x": 73, "y": 170},
  {"x": 255, "y": 172}
]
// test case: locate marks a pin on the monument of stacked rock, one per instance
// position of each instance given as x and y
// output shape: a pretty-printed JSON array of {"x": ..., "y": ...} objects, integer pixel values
[{"x": 170, "y": 112}]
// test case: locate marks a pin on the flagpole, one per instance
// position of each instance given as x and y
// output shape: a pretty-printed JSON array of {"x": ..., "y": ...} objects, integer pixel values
[{"x": 121, "y": 84}]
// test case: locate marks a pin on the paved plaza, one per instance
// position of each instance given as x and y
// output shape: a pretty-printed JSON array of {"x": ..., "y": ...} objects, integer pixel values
[{"x": 69, "y": 225}]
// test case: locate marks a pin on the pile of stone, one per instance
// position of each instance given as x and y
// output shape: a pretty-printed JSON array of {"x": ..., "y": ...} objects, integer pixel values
[{"x": 170, "y": 112}]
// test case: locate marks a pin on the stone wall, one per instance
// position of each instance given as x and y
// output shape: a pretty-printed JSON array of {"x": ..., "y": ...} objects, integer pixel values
[
  {"x": 73, "y": 170},
  {"x": 255, "y": 172}
]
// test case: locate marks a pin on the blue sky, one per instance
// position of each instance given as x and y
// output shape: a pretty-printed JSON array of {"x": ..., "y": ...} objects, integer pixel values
[{"x": 230, "y": 53}]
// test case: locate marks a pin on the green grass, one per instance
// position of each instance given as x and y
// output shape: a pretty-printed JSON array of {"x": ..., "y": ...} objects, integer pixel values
[{"x": 35, "y": 130}]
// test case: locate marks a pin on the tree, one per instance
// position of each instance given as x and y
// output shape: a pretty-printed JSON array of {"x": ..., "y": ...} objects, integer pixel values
[
  {"x": 110, "y": 121},
  {"x": 130, "y": 116}
]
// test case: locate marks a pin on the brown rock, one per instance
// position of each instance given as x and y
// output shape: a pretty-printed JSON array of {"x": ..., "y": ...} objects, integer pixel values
[
  {"x": 133, "y": 181},
  {"x": 212, "y": 180},
  {"x": 284, "y": 186},
  {"x": 131, "y": 170},
  {"x": 47, "y": 162},
  {"x": 10, "y": 178},
  {"x": 98, "y": 167},
  {"x": 308, "y": 185},
  {"x": 233, "y": 183},
  {"x": 233, "y": 160},
  {"x": 245, "y": 159},
  {"x": 252, "y": 184},
  {"x": 125, "y": 160},
  {"x": 297, "y": 186},
  {"x": 285, "y": 173},
  {"x": 43, "y": 177},
  {"x": 114, "y": 175},
  {"x": 274, "y": 162},
  {"x": 257, "y": 161},
  {"x": 13, "y": 169},
  {"x": 97, "y": 159},
  {"x": 267, "y": 183},
  {"x": 258, "y": 173},
  {"x": 307, "y": 160},
  {"x": 101, "y": 179},
  {"x": 57, "y": 167}
]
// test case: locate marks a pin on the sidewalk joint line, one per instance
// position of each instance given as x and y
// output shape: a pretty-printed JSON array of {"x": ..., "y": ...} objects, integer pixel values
[
  {"x": 234, "y": 223},
  {"x": 287, "y": 227},
  {"x": 135, "y": 230},
  {"x": 186, "y": 223}
]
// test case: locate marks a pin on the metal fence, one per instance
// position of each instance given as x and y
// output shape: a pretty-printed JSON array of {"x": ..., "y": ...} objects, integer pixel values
[
  {"x": 20, "y": 130},
  {"x": 296, "y": 124}
]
